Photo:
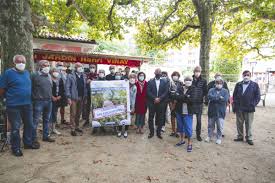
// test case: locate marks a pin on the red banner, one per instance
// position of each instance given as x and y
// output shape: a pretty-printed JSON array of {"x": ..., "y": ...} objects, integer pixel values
[{"x": 85, "y": 59}]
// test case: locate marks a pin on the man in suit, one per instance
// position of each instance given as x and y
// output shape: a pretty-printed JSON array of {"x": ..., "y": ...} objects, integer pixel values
[{"x": 157, "y": 92}]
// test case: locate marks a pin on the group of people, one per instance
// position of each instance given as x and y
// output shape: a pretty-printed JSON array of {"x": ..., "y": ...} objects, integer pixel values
[{"x": 30, "y": 97}]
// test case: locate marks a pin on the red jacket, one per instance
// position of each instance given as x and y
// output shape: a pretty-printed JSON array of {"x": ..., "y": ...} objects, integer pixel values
[{"x": 141, "y": 99}]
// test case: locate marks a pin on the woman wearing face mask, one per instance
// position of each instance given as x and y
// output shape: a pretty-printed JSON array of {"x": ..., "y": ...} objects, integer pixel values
[
  {"x": 57, "y": 93},
  {"x": 175, "y": 83},
  {"x": 218, "y": 98},
  {"x": 133, "y": 93},
  {"x": 184, "y": 112},
  {"x": 140, "y": 106}
]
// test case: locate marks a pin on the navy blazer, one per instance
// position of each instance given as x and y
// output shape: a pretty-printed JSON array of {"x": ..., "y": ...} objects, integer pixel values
[
  {"x": 247, "y": 101},
  {"x": 152, "y": 91}
]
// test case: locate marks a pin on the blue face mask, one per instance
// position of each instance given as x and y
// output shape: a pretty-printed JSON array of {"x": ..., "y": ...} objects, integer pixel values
[{"x": 117, "y": 77}]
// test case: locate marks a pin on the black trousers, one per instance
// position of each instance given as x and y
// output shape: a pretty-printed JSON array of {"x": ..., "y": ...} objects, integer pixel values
[
  {"x": 157, "y": 111},
  {"x": 198, "y": 112}
]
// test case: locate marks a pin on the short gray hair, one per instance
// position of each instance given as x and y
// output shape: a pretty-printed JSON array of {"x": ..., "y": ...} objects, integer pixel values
[
  {"x": 42, "y": 62},
  {"x": 101, "y": 71},
  {"x": 188, "y": 78},
  {"x": 18, "y": 56}
]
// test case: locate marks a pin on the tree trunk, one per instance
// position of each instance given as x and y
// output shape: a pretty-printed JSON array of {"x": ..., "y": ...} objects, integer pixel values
[
  {"x": 16, "y": 32},
  {"x": 204, "y": 9}
]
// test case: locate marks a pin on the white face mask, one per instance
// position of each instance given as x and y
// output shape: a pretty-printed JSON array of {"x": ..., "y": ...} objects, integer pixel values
[
  {"x": 197, "y": 74},
  {"x": 219, "y": 86},
  {"x": 132, "y": 81},
  {"x": 246, "y": 79},
  {"x": 175, "y": 78},
  {"x": 117, "y": 77},
  {"x": 79, "y": 69},
  {"x": 101, "y": 75},
  {"x": 45, "y": 70},
  {"x": 141, "y": 78},
  {"x": 55, "y": 74},
  {"x": 92, "y": 70},
  {"x": 188, "y": 83},
  {"x": 59, "y": 68},
  {"x": 20, "y": 66}
]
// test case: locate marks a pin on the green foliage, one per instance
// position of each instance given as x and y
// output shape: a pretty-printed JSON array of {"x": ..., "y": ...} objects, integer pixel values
[{"x": 90, "y": 18}]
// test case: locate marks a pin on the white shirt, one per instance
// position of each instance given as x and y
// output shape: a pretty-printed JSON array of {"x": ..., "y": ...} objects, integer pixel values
[
  {"x": 157, "y": 85},
  {"x": 245, "y": 85}
]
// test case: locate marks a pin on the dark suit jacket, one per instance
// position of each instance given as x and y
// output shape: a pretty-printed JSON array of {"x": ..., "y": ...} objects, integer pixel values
[{"x": 163, "y": 93}]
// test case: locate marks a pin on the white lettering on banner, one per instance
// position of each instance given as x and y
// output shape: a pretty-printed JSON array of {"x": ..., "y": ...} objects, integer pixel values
[{"x": 109, "y": 111}]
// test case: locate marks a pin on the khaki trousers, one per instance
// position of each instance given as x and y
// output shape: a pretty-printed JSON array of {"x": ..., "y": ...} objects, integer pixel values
[
  {"x": 75, "y": 113},
  {"x": 247, "y": 119}
]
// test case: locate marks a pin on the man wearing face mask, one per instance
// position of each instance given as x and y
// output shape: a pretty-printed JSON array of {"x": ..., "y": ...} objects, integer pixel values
[
  {"x": 15, "y": 86},
  {"x": 157, "y": 93},
  {"x": 76, "y": 91},
  {"x": 101, "y": 75},
  {"x": 42, "y": 99},
  {"x": 111, "y": 76},
  {"x": 218, "y": 98},
  {"x": 246, "y": 97},
  {"x": 118, "y": 76},
  {"x": 200, "y": 91}
]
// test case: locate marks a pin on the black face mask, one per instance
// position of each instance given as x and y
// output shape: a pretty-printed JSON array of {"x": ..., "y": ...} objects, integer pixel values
[{"x": 157, "y": 76}]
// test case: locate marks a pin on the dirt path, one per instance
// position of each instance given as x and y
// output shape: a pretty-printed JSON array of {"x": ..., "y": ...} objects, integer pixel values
[{"x": 136, "y": 159}]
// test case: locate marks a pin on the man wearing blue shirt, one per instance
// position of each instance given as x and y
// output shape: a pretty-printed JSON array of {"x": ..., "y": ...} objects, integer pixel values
[
  {"x": 15, "y": 85},
  {"x": 246, "y": 96}
]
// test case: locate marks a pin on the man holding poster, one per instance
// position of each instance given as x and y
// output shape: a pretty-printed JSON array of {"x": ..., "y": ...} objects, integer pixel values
[{"x": 110, "y": 101}]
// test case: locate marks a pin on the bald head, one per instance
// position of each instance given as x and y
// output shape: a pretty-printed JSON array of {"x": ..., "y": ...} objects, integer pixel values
[{"x": 158, "y": 73}]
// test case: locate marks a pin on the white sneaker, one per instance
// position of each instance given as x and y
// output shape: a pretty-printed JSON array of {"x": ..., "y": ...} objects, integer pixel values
[
  {"x": 218, "y": 141},
  {"x": 163, "y": 129},
  {"x": 119, "y": 134},
  {"x": 55, "y": 131},
  {"x": 125, "y": 134},
  {"x": 208, "y": 139}
]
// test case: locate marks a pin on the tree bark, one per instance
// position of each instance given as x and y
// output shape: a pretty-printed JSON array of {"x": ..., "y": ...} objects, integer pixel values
[
  {"x": 204, "y": 9},
  {"x": 16, "y": 32}
]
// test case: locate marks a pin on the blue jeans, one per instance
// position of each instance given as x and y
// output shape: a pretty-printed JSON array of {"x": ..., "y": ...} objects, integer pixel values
[
  {"x": 54, "y": 112},
  {"x": 211, "y": 127},
  {"x": 16, "y": 114},
  {"x": 185, "y": 124},
  {"x": 43, "y": 107}
]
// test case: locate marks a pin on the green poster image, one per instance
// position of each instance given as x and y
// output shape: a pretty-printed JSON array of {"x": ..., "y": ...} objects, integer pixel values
[{"x": 110, "y": 103}]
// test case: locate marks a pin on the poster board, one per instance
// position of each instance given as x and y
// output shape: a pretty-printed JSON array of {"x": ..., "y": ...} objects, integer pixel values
[{"x": 110, "y": 103}]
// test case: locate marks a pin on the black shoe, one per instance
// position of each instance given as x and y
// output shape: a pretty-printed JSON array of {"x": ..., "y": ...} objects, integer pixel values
[
  {"x": 223, "y": 136},
  {"x": 79, "y": 130},
  {"x": 73, "y": 133},
  {"x": 86, "y": 124},
  {"x": 36, "y": 144},
  {"x": 159, "y": 136},
  {"x": 17, "y": 153},
  {"x": 199, "y": 138},
  {"x": 48, "y": 139},
  {"x": 150, "y": 136},
  {"x": 238, "y": 140},
  {"x": 33, "y": 146},
  {"x": 250, "y": 142}
]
